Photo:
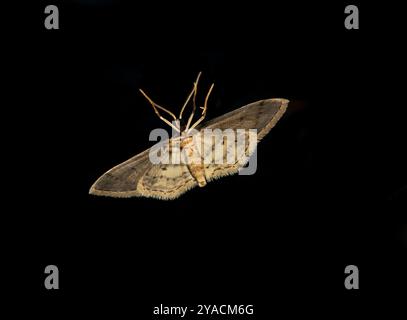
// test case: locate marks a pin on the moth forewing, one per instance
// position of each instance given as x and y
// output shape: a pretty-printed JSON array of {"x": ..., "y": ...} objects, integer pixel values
[
  {"x": 246, "y": 145},
  {"x": 223, "y": 145},
  {"x": 160, "y": 153}
]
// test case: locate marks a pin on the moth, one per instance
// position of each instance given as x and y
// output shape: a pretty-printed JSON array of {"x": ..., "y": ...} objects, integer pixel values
[{"x": 140, "y": 177}]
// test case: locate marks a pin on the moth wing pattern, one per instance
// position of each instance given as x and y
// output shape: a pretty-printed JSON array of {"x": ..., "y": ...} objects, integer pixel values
[
  {"x": 138, "y": 177},
  {"x": 261, "y": 115},
  {"x": 229, "y": 166},
  {"x": 166, "y": 181},
  {"x": 122, "y": 180}
]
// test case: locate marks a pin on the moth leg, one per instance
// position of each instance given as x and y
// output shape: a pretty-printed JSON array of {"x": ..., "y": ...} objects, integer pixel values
[
  {"x": 156, "y": 107},
  {"x": 193, "y": 92},
  {"x": 204, "y": 108},
  {"x": 194, "y": 103}
]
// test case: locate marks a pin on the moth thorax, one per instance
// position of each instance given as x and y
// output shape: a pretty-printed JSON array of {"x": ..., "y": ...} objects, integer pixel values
[{"x": 180, "y": 124}]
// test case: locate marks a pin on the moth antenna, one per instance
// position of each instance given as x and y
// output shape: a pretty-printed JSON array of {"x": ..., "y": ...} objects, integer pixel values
[
  {"x": 156, "y": 107},
  {"x": 186, "y": 102},
  {"x": 203, "y": 115}
]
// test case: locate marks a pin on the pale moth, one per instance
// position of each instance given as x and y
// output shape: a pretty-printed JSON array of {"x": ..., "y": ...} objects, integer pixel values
[{"x": 141, "y": 177}]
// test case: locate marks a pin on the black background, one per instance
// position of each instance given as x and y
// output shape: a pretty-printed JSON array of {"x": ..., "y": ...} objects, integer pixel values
[{"x": 330, "y": 188}]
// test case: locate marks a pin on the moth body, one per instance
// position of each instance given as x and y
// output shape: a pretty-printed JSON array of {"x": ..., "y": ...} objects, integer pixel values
[{"x": 194, "y": 160}]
